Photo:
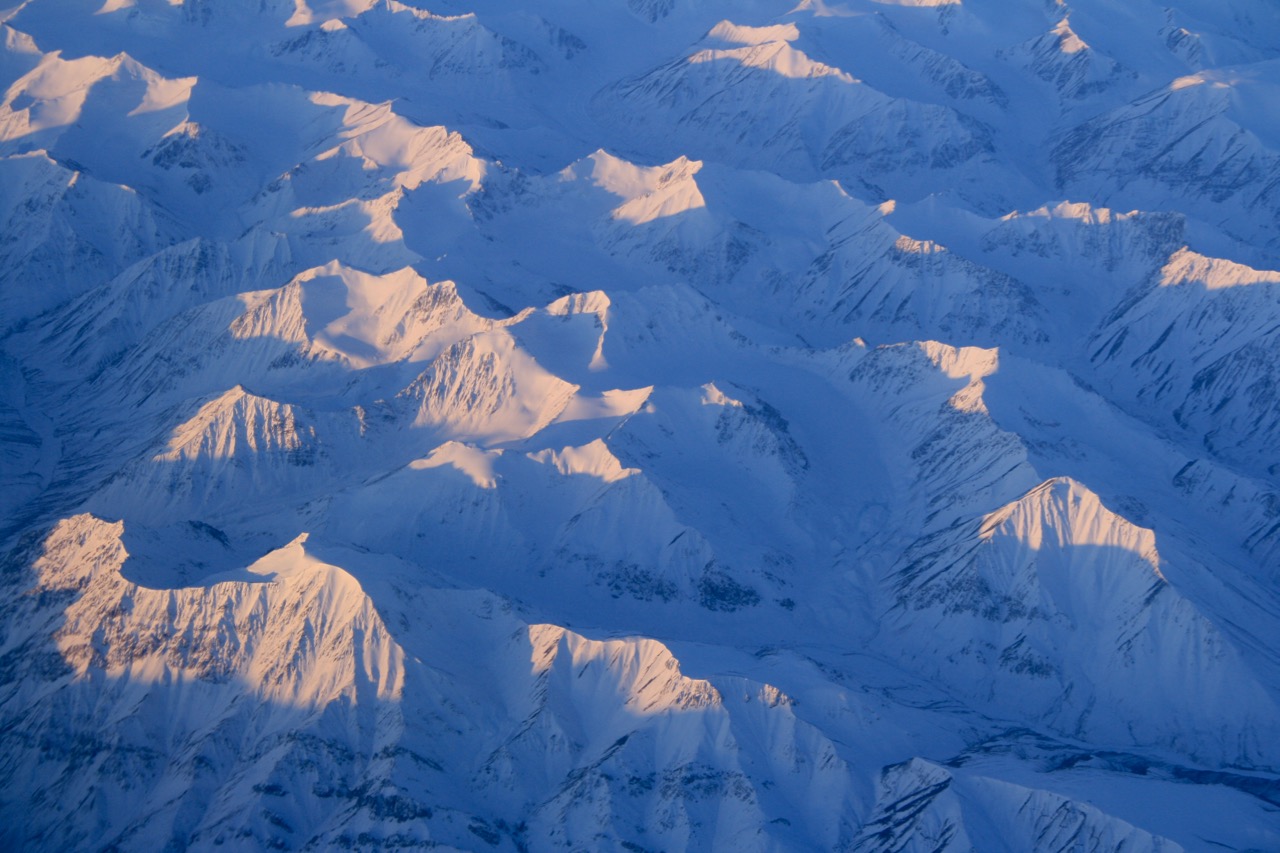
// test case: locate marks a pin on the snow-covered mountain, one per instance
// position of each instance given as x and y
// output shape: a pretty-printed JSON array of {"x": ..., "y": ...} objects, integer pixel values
[{"x": 640, "y": 425}]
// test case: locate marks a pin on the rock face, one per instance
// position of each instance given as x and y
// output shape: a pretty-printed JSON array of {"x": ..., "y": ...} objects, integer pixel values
[{"x": 647, "y": 425}]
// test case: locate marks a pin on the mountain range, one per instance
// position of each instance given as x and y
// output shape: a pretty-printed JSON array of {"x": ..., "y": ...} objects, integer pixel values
[{"x": 640, "y": 425}]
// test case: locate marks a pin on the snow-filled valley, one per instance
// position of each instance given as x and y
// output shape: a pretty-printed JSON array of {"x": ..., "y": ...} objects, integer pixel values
[{"x": 640, "y": 425}]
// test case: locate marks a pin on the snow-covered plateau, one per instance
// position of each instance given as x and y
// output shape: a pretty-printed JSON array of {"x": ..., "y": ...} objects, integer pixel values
[{"x": 640, "y": 425}]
